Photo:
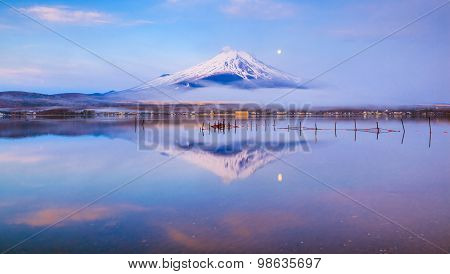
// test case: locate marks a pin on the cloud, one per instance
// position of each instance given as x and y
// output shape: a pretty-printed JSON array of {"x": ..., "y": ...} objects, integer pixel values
[
  {"x": 262, "y": 9},
  {"x": 63, "y": 14},
  {"x": 68, "y": 15},
  {"x": 22, "y": 75},
  {"x": 25, "y": 71},
  {"x": 138, "y": 22}
]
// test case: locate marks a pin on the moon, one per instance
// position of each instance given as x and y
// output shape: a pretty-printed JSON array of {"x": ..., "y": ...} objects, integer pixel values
[{"x": 279, "y": 51}]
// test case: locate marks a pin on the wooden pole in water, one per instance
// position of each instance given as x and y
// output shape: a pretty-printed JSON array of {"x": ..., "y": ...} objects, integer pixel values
[
  {"x": 403, "y": 125},
  {"x": 355, "y": 124},
  {"x": 335, "y": 134},
  {"x": 315, "y": 131},
  {"x": 378, "y": 130},
  {"x": 429, "y": 123},
  {"x": 300, "y": 127}
]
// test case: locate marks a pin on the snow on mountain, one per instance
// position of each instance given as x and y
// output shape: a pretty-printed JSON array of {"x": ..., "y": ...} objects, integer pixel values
[{"x": 230, "y": 67}]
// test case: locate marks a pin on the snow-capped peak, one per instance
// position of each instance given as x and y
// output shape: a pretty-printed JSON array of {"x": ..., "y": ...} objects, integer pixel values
[
  {"x": 229, "y": 67},
  {"x": 237, "y": 62}
]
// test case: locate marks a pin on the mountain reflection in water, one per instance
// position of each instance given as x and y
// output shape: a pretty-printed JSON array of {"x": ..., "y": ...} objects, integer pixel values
[{"x": 223, "y": 191}]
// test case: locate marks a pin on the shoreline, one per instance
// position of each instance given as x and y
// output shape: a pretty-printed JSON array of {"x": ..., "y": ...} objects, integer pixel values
[{"x": 229, "y": 110}]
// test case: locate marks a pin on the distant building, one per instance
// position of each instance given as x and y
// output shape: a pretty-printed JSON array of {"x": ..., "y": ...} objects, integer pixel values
[{"x": 241, "y": 113}]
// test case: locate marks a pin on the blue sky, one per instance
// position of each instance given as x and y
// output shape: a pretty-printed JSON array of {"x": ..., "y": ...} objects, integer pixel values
[{"x": 148, "y": 38}]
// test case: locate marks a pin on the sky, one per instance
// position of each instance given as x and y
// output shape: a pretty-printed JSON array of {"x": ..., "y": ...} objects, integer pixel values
[{"x": 149, "y": 38}]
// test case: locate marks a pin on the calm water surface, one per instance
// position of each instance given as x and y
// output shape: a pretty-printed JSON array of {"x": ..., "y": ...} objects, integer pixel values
[{"x": 258, "y": 188}]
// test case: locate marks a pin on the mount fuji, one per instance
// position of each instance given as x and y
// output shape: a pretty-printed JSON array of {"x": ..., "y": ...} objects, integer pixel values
[
  {"x": 215, "y": 79},
  {"x": 231, "y": 68}
]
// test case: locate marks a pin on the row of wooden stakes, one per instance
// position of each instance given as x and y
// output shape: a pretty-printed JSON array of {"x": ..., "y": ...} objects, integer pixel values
[{"x": 222, "y": 125}]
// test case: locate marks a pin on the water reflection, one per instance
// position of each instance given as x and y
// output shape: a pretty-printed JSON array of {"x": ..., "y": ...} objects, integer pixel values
[
  {"x": 235, "y": 162},
  {"x": 236, "y": 156},
  {"x": 229, "y": 158},
  {"x": 52, "y": 168},
  {"x": 50, "y": 216}
]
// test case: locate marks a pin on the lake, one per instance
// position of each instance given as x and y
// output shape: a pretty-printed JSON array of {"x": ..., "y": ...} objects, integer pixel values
[{"x": 165, "y": 185}]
